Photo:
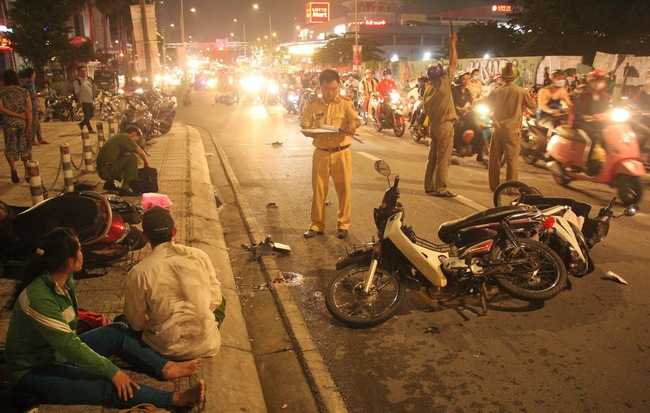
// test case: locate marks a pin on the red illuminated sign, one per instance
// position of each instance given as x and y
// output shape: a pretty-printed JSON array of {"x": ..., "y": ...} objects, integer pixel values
[
  {"x": 317, "y": 12},
  {"x": 502, "y": 8},
  {"x": 5, "y": 44}
]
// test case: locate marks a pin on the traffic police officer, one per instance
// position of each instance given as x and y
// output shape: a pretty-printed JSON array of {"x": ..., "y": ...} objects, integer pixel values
[{"x": 332, "y": 156}]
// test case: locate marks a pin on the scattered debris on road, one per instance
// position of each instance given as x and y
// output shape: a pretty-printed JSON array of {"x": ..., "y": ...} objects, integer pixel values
[
  {"x": 614, "y": 277},
  {"x": 266, "y": 247}
]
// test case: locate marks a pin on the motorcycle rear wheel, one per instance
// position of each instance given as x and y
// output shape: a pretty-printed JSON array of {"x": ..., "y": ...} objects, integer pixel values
[
  {"x": 536, "y": 273},
  {"x": 509, "y": 193},
  {"x": 348, "y": 304}
]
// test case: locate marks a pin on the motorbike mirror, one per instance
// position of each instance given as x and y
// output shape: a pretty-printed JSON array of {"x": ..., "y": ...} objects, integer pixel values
[
  {"x": 382, "y": 167},
  {"x": 631, "y": 210}
]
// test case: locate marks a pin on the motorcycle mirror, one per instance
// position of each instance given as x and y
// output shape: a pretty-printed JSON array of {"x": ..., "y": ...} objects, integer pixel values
[
  {"x": 631, "y": 210},
  {"x": 382, "y": 167}
]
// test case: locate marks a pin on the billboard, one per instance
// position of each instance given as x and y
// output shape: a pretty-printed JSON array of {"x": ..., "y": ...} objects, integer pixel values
[{"x": 317, "y": 12}]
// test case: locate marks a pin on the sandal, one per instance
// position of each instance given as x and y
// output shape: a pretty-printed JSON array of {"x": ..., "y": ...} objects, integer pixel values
[{"x": 144, "y": 408}]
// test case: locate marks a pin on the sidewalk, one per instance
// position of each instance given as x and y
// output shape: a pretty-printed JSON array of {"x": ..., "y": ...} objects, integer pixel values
[{"x": 231, "y": 377}]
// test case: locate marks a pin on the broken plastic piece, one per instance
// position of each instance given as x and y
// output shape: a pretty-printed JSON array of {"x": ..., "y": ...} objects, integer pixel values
[
  {"x": 271, "y": 205},
  {"x": 611, "y": 275}
]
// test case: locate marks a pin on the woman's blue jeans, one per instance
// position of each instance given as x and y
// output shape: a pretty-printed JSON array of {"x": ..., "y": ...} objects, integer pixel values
[{"x": 69, "y": 384}]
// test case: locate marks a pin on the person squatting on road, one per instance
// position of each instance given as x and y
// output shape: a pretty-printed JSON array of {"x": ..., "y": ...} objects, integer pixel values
[
  {"x": 16, "y": 107},
  {"x": 439, "y": 107},
  {"x": 117, "y": 161},
  {"x": 173, "y": 296},
  {"x": 83, "y": 92},
  {"x": 332, "y": 156},
  {"x": 50, "y": 364},
  {"x": 508, "y": 103}
]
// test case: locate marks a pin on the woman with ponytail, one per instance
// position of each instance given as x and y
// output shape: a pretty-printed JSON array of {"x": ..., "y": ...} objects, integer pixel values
[{"x": 49, "y": 362}]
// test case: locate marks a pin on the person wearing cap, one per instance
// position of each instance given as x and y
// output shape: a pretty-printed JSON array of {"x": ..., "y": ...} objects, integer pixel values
[
  {"x": 508, "y": 103},
  {"x": 366, "y": 87},
  {"x": 173, "y": 296},
  {"x": 117, "y": 161},
  {"x": 439, "y": 107},
  {"x": 550, "y": 99},
  {"x": 332, "y": 156}
]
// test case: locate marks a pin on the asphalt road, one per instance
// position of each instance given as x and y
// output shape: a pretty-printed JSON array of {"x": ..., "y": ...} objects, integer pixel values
[{"x": 584, "y": 351}]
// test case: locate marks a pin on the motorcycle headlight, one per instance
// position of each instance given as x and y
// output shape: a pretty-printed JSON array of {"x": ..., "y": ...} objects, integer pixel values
[
  {"x": 273, "y": 88},
  {"x": 619, "y": 115},
  {"x": 394, "y": 97},
  {"x": 483, "y": 109}
]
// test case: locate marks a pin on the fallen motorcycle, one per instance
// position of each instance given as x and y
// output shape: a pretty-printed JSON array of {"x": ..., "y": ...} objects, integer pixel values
[
  {"x": 492, "y": 247},
  {"x": 103, "y": 226}
]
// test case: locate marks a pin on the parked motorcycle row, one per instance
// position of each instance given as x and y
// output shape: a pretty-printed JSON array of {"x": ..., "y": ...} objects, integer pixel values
[{"x": 524, "y": 246}]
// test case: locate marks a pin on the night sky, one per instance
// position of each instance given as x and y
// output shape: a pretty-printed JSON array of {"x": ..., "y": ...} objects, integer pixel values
[{"x": 214, "y": 18}]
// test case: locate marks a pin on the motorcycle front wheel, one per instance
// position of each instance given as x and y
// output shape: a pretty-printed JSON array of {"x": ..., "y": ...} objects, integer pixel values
[
  {"x": 530, "y": 272},
  {"x": 400, "y": 126},
  {"x": 347, "y": 302},
  {"x": 166, "y": 125}
]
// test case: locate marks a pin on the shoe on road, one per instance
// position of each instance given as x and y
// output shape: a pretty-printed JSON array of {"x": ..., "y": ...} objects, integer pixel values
[
  {"x": 128, "y": 192},
  {"x": 110, "y": 186},
  {"x": 311, "y": 233},
  {"x": 342, "y": 233}
]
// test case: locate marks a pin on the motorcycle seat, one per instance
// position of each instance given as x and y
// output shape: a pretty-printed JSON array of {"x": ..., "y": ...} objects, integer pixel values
[
  {"x": 448, "y": 230},
  {"x": 83, "y": 214},
  {"x": 570, "y": 134}
]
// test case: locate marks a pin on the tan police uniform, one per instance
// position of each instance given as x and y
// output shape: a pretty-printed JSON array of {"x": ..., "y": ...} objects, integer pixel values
[
  {"x": 508, "y": 103},
  {"x": 439, "y": 106},
  {"x": 332, "y": 157}
]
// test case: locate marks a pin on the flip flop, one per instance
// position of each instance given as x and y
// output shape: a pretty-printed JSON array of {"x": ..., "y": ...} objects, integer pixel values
[{"x": 145, "y": 408}]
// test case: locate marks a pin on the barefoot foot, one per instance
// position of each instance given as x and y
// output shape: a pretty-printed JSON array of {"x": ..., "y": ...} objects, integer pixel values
[
  {"x": 174, "y": 370},
  {"x": 190, "y": 397}
]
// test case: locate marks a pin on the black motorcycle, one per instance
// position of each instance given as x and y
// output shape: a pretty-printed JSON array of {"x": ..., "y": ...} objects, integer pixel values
[
  {"x": 59, "y": 108},
  {"x": 162, "y": 108},
  {"x": 137, "y": 116}
]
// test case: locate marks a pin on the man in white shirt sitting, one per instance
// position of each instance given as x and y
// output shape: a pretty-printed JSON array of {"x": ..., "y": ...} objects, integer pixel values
[{"x": 173, "y": 296}]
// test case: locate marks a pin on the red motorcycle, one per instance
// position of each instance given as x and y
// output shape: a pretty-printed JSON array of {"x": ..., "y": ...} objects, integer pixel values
[
  {"x": 620, "y": 168},
  {"x": 103, "y": 226}
]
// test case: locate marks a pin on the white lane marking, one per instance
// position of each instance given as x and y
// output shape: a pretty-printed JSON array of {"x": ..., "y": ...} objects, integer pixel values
[
  {"x": 470, "y": 203},
  {"x": 367, "y": 155}
]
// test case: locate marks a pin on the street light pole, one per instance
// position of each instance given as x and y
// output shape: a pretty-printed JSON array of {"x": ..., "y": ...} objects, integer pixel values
[
  {"x": 244, "y": 26},
  {"x": 256, "y": 6}
]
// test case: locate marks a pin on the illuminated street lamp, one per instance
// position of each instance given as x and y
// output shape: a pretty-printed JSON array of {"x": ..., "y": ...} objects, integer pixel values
[
  {"x": 257, "y": 7},
  {"x": 244, "y": 28}
]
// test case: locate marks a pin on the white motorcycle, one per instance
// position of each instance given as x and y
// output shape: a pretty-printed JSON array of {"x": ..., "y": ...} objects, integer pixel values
[
  {"x": 491, "y": 247},
  {"x": 573, "y": 233}
]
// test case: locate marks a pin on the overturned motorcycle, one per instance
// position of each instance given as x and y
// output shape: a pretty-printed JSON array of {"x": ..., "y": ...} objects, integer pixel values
[{"x": 492, "y": 247}]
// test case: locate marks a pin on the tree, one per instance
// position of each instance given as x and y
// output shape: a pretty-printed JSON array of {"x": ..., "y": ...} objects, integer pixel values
[
  {"x": 40, "y": 30},
  {"x": 338, "y": 50},
  {"x": 478, "y": 39},
  {"x": 577, "y": 28}
]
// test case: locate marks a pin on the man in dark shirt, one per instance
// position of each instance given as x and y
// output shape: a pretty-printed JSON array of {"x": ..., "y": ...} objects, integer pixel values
[
  {"x": 117, "y": 160},
  {"x": 462, "y": 96}
]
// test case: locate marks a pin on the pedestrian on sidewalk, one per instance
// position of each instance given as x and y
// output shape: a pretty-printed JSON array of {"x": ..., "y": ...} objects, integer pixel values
[
  {"x": 173, "y": 296},
  {"x": 37, "y": 138},
  {"x": 117, "y": 160},
  {"x": 16, "y": 107},
  {"x": 332, "y": 156},
  {"x": 438, "y": 104},
  {"x": 83, "y": 92},
  {"x": 47, "y": 360},
  {"x": 509, "y": 102}
]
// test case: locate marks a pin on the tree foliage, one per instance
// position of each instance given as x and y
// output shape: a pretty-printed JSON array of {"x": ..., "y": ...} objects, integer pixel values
[
  {"x": 478, "y": 39},
  {"x": 338, "y": 51},
  {"x": 582, "y": 28},
  {"x": 41, "y": 31}
]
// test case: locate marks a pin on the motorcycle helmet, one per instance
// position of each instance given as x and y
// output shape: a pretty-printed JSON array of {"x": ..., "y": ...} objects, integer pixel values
[
  {"x": 597, "y": 74},
  {"x": 509, "y": 72},
  {"x": 435, "y": 71},
  {"x": 387, "y": 72}
]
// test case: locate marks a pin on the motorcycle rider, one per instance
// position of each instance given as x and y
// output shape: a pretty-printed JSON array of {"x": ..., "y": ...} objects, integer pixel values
[
  {"x": 590, "y": 114},
  {"x": 475, "y": 84},
  {"x": 352, "y": 83},
  {"x": 384, "y": 87},
  {"x": 550, "y": 98},
  {"x": 366, "y": 87},
  {"x": 508, "y": 102},
  {"x": 462, "y": 101}
]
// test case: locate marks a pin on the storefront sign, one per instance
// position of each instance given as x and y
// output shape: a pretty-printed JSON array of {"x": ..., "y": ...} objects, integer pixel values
[
  {"x": 502, "y": 8},
  {"x": 369, "y": 23},
  {"x": 317, "y": 12}
]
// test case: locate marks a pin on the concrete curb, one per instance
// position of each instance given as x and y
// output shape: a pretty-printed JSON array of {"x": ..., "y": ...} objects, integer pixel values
[
  {"x": 232, "y": 377},
  {"x": 300, "y": 335}
]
